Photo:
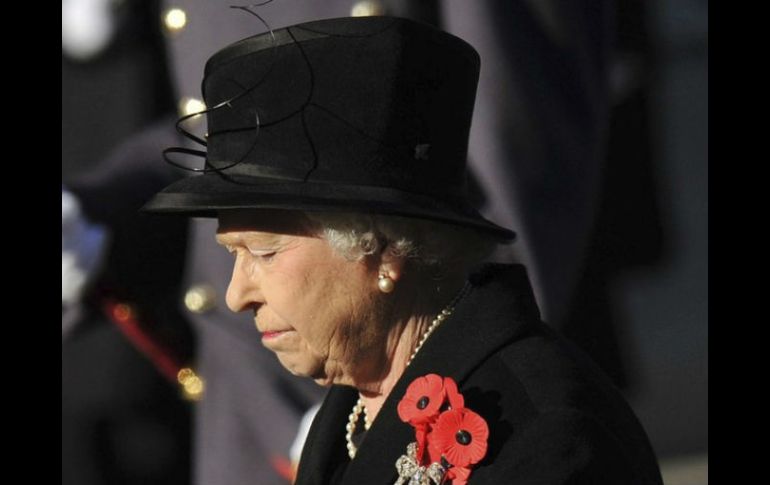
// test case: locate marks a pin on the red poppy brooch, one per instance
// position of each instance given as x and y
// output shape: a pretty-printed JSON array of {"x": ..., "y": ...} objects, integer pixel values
[{"x": 450, "y": 438}]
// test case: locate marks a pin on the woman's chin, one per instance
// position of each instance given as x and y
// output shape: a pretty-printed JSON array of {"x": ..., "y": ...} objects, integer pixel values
[
  {"x": 301, "y": 367},
  {"x": 317, "y": 373}
]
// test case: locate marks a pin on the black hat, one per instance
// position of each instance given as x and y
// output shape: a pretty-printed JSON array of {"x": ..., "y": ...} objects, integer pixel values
[{"x": 357, "y": 114}]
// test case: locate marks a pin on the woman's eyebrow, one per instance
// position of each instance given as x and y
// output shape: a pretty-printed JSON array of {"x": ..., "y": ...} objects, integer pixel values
[{"x": 246, "y": 238}]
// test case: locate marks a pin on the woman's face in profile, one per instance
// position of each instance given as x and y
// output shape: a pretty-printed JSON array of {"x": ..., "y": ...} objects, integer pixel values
[{"x": 315, "y": 309}]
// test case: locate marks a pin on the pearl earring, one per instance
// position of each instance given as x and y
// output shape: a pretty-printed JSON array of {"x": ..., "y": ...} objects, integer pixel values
[{"x": 385, "y": 284}]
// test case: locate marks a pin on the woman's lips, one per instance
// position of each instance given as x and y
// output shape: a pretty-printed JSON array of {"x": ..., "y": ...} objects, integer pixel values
[
  {"x": 273, "y": 334},
  {"x": 278, "y": 340}
]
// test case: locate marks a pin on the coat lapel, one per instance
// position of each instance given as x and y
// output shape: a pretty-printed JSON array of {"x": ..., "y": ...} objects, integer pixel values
[{"x": 324, "y": 451}]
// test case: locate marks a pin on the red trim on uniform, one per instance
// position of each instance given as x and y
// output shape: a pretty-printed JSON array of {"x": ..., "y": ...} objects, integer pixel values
[{"x": 161, "y": 357}]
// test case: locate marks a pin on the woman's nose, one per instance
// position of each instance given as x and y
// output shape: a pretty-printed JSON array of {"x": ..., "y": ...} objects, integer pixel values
[{"x": 243, "y": 290}]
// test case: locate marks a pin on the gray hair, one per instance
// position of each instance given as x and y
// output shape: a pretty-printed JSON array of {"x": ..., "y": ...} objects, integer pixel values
[{"x": 432, "y": 246}]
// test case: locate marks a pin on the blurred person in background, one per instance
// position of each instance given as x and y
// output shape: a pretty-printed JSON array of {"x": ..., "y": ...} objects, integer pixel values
[{"x": 124, "y": 417}]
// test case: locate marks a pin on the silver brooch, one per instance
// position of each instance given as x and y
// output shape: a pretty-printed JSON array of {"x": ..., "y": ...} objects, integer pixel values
[{"x": 410, "y": 473}]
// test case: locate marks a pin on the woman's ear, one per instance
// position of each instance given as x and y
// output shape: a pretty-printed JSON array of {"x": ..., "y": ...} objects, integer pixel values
[{"x": 390, "y": 265}]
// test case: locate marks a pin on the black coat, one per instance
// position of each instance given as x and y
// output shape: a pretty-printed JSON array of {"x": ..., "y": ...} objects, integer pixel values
[{"x": 554, "y": 417}]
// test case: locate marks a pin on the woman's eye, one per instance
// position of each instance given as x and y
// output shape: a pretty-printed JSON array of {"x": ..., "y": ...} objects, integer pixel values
[{"x": 264, "y": 256}]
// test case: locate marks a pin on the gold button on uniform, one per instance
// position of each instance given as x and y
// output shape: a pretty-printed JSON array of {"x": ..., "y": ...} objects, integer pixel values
[
  {"x": 200, "y": 298},
  {"x": 192, "y": 385},
  {"x": 174, "y": 20},
  {"x": 367, "y": 8}
]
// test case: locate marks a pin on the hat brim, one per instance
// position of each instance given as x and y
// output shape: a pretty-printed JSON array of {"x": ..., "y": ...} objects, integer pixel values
[{"x": 207, "y": 194}]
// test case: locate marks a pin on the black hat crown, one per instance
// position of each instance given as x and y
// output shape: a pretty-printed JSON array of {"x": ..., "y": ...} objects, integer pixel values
[{"x": 365, "y": 113}]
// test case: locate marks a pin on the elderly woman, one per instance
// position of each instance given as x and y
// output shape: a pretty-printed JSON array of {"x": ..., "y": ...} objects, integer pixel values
[{"x": 335, "y": 164}]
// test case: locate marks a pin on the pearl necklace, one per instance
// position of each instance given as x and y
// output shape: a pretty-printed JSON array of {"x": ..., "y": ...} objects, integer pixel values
[{"x": 354, "y": 416}]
